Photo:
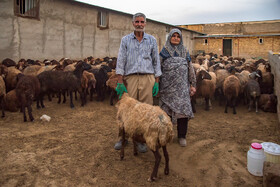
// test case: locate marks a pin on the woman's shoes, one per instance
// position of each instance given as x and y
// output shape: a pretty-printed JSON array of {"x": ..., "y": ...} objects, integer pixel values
[{"x": 182, "y": 142}]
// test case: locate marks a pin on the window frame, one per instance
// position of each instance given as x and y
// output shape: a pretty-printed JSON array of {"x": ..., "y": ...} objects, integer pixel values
[
  {"x": 33, "y": 12},
  {"x": 205, "y": 41},
  {"x": 100, "y": 19}
]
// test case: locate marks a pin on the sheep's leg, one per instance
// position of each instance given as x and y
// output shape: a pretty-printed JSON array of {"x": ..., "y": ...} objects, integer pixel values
[
  {"x": 71, "y": 99},
  {"x": 59, "y": 97},
  {"x": 49, "y": 97},
  {"x": 206, "y": 103},
  {"x": 226, "y": 106},
  {"x": 193, "y": 101},
  {"x": 234, "y": 105},
  {"x": 76, "y": 98},
  {"x": 2, "y": 106},
  {"x": 42, "y": 102},
  {"x": 112, "y": 95},
  {"x": 64, "y": 97},
  {"x": 250, "y": 104},
  {"x": 123, "y": 143},
  {"x": 256, "y": 102},
  {"x": 29, "y": 109},
  {"x": 91, "y": 94},
  {"x": 135, "y": 151},
  {"x": 166, "y": 169},
  {"x": 24, "y": 114},
  {"x": 157, "y": 162}
]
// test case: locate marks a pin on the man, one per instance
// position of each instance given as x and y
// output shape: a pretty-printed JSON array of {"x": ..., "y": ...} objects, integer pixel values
[{"x": 138, "y": 65}]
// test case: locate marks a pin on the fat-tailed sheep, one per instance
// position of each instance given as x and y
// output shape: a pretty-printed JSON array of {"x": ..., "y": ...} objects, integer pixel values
[{"x": 146, "y": 124}]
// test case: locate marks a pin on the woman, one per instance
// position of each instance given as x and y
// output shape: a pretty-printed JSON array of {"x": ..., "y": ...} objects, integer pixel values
[{"x": 177, "y": 83}]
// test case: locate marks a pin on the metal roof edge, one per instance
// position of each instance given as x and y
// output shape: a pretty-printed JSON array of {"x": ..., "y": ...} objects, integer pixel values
[
  {"x": 235, "y": 36},
  {"x": 119, "y": 12}
]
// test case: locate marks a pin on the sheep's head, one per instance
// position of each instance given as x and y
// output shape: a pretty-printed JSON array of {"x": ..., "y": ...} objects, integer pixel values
[{"x": 203, "y": 74}]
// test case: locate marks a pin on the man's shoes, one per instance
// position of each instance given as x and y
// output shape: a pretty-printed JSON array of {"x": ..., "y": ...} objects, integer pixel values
[
  {"x": 118, "y": 145},
  {"x": 182, "y": 142},
  {"x": 142, "y": 148}
]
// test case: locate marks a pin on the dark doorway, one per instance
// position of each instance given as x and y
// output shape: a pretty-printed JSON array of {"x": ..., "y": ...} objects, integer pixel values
[{"x": 227, "y": 47}]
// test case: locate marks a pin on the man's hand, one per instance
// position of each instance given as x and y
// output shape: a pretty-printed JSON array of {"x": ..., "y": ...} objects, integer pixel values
[
  {"x": 155, "y": 89},
  {"x": 120, "y": 89}
]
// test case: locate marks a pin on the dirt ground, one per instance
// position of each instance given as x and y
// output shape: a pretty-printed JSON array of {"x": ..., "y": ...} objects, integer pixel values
[{"x": 76, "y": 149}]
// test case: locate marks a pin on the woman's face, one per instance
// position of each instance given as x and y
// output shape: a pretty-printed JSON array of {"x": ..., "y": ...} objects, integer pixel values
[{"x": 175, "y": 39}]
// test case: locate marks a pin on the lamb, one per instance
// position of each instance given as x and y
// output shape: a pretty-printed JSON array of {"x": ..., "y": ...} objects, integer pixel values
[
  {"x": 147, "y": 124},
  {"x": 27, "y": 89},
  {"x": 231, "y": 89},
  {"x": 112, "y": 84}
]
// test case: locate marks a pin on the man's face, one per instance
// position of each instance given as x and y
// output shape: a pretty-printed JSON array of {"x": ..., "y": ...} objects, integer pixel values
[{"x": 139, "y": 24}]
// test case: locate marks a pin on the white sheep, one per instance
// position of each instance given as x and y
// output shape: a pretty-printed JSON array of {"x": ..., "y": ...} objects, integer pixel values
[{"x": 145, "y": 123}]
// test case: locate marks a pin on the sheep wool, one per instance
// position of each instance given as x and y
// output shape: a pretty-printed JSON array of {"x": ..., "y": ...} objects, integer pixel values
[{"x": 143, "y": 119}]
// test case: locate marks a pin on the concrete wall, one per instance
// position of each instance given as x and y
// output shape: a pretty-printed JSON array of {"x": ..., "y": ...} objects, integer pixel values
[
  {"x": 245, "y": 47},
  {"x": 274, "y": 60},
  {"x": 243, "y": 28},
  {"x": 69, "y": 29}
]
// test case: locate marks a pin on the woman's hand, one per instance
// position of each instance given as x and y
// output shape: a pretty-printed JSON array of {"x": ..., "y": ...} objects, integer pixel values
[{"x": 192, "y": 90}]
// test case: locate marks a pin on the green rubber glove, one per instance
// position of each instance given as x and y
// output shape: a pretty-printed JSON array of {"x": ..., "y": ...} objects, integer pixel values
[
  {"x": 120, "y": 89},
  {"x": 155, "y": 89}
]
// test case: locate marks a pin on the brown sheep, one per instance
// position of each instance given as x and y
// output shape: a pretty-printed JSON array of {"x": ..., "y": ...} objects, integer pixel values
[
  {"x": 111, "y": 83},
  {"x": 88, "y": 81},
  {"x": 27, "y": 89},
  {"x": 31, "y": 70},
  {"x": 146, "y": 124},
  {"x": 205, "y": 88},
  {"x": 12, "y": 103},
  {"x": 221, "y": 75},
  {"x": 2, "y": 95},
  {"x": 11, "y": 78},
  {"x": 266, "y": 82},
  {"x": 268, "y": 103},
  {"x": 231, "y": 89},
  {"x": 9, "y": 62}
]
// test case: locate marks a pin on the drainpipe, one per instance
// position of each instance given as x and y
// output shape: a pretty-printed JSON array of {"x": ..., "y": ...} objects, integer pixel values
[{"x": 238, "y": 47}]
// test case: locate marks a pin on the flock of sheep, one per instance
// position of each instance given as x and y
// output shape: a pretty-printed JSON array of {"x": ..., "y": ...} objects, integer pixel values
[
  {"x": 227, "y": 78},
  {"x": 234, "y": 80},
  {"x": 28, "y": 80}
]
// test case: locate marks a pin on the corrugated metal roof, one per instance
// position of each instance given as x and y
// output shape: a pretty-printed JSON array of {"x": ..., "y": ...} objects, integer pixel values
[{"x": 236, "y": 36}]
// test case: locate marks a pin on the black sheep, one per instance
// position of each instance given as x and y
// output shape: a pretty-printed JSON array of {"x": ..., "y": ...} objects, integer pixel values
[
  {"x": 101, "y": 77},
  {"x": 27, "y": 89},
  {"x": 61, "y": 82}
]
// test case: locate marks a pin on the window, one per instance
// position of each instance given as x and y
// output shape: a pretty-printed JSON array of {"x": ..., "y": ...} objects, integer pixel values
[
  {"x": 103, "y": 20},
  {"x": 205, "y": 42},
  {"x": 27, "y": 8},
  {"x": 260, "y": 41}
]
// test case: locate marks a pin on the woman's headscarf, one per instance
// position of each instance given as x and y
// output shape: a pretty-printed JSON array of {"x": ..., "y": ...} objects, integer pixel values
[{"x": 170, "y": 50}]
